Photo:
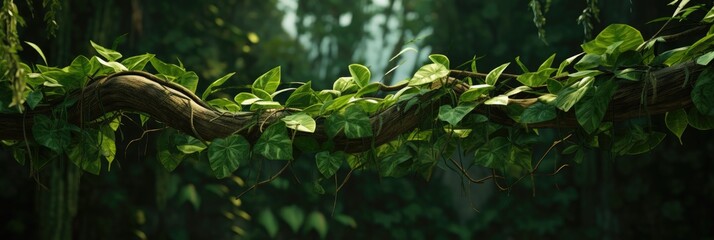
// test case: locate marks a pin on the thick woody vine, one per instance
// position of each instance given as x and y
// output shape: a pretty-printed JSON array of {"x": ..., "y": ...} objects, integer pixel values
[{"x": 494, "y": 118}]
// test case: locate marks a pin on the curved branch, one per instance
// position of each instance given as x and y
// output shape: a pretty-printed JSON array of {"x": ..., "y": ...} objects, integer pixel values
[{"x": 664, "y": 91}]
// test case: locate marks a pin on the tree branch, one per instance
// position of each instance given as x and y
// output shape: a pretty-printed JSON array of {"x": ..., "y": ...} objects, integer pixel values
[{"x": 663, "y": 91}]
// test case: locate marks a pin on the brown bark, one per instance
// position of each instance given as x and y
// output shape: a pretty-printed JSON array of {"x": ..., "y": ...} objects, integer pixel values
[{"x": 664, "y": 90}]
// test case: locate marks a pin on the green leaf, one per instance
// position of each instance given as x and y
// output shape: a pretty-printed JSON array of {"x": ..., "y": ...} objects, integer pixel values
[
  {"x": 188, "y": 80},
  {"x": 360, "y": 74},
  {"x": 538, "y": 112},
  {"x": 705, "y": 59},
  {"x": 258, "y": 105},
  {"x": 294, "y": 216},
  {"x": 301, "y": 122},
  {"x": 589, "y": 61},
  {"x": 269, "y": 81},
  {"x": 345, "y": 85},
  {"x": 475, "y": 92},
  {"x": 188, "y": 144},
  {"x": 85, "y": 154},
  {"x": 440, "y": 59},
  {"x": 346, "y": 220},
  {"x": 224, "y": 104},
  {"x": 650, "y": 142},
  {"x": 703, "y": 93},
  {"x": 709, "y": 17},
  {"x": 699, "y": 46},
  {"x": 190, "y": 194},
  {"x": 353, "y": 121},
  {"x": 109, "y": 54},
  {"x": 630, "y": 37},
  {"x": 521, "y": 65},
  {"x": 370, "y": 88},
  {"x": 548, "y": 62},
  {"x": 115, "y": 66},
  {"x": 554, "y": 86},
  {"x": 493, "y": 76},
  {"x": 429, "y": 73},
  {"x": 38, "y": 50},
  {"x": 565, "y": 63},
  {"x": 169, "y": 156},
  {"x": 245, "y": 98},
  {"x": 216, "y": 84},
  {"x": 302, "y": 97},
  {"x": 572, "y": 94},
  {"x": 497, "y": 100},
  {"x": 274, "y": 143},
  {"x": 226, "y": 154},
  {"x": 494, "y": 153},
  {"x": 328, "y": 163},
  {"x": 138, "y": 62},
  {"x": 267, "y": 219},
  {"x": 34, "y": 98},
  {"x": 54, "y": 134},
  {"x": 171, "y": 71},
  {"x": 591, "y": 111},
  {"x": 699, "y": 121},
  {"x": 535, "y": 79},
  {"x": 454, "y": 115},
  {"x": 107, "y": 144},
  {"x": 677, "y": 122},
  {"x": 262, "y": 94},
  {"x": 317, "y": 221}
]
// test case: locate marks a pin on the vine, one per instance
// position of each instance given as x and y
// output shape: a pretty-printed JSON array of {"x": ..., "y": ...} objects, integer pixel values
[{"x": 409, "y": 128}]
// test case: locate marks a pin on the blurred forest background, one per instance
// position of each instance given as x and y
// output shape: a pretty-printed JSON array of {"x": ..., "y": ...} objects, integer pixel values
[{"x": 665, "y": 194}]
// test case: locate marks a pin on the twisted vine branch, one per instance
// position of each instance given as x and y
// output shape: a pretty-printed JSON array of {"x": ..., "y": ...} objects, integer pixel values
[{"x": 180, "y": 109}]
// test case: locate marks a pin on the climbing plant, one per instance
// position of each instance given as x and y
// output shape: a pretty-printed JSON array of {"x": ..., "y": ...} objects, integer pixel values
[{"x": 74, "y": 112}]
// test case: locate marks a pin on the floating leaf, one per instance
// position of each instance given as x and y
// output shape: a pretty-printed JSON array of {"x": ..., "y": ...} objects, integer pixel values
[{"x": 226, "y": 154}]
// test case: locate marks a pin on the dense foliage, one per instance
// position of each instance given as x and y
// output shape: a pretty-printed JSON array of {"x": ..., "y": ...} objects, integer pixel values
[{"x": 466, "y": 119}]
